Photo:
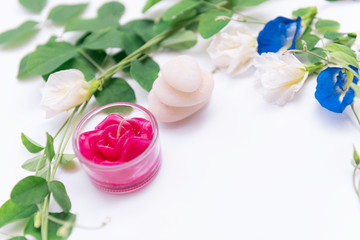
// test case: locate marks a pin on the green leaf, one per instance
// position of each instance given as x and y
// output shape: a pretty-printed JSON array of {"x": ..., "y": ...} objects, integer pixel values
[
  {"x": 110, "y": 38},
  {"x": 49, "y": 148},
  {"x": 183, "y": 17},
  {"x": 33, "y": 5},
  {"x": 149, "y": 4},
  {"x": 59, "y": 192},
  {"x": 333, "y": 35},
  {"x": 344, "y": 58},
  {"x": 79, "y": 63},
  {"x": 111, "y": 10},
  {"x": 30, "y": 190},
  {"x": 10, "y": 212},
  {"x": 307, "y": 15},
  {"x": 179, "y": 8},
  {"x": 356, "y": 157},
  {"x": 334, "y": 47},
  {"x": 120, "y": 56},
  {"x": 30, "y": 144},
  {"x": 181, "y": 40},
  {"x": 209, "y": 23},
  {"x": 32, "y": 163},
  {"x": 342, "y": 53},
  {"x": 50, "y": 56},
  {"x": 16, "y": 33},
  {"x": 66, "y": 158},
  {"x": 91, "y": 25},
  {"x": 144, "y": 28},
  {"x": 312, "y": 68},
  {"x": 247, "y": 3},
  {"x": 131, "y": 42},
  {"x": 326, "y": 25},
  {"x": 63, "y": 13},
  {"x": 23, "y": 71},
  {"x": 43, "y": 173},
  {"x": 115, "y": 90},
  {"x": 310, "y": 39},
  {"x": 144, "y": 72},
  {"x": 346, "y": 40},
  {"x": 209, "y": 5},
  {"x": 52, "y": 227},
  {"x": 18, "y": 238},
  {"x": 313, "y": 59}
]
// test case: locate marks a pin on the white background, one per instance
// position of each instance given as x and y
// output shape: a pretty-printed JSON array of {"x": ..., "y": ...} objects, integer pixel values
[{"x": 240, "y": 168}]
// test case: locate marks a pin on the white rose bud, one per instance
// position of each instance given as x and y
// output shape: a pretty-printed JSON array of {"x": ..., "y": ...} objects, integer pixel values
[
  {"x": 233, "y": 49},
  {"x": 64, "y": 90},
  {"x": 279, "y": 76}
]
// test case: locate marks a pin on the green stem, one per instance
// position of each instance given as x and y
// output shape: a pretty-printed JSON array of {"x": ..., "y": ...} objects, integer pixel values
[
  {"x": 354, "y": 182},
  {"x": 44, "y": 219},
  {"x": 39, "y": 162},
  {"x": 72, "y": 223},
  {"x": 92, "y": 61},
  {"x": 137, "y": 53},
  {"x": 64, "y": 141},
  {"x": 242, "y": 19},
  {"x": 253, "y": 18},
  {"x": 351, "y": 70},
  {"x": 60, "y": 221},
  {"x": 311, "y": 53},
  {"x": 6, "y": 234},
  {"x": 218, "y": 6},
  {"x": 58, "y": 155},
  {"x": 357, "y": 117},
  {"x": 61, "y": 128}
]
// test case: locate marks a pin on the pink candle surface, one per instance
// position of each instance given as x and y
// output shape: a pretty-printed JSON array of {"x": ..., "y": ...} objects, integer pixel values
[
  {"x": 116, "y": 140},
  {"x": 118, "y": 154}
]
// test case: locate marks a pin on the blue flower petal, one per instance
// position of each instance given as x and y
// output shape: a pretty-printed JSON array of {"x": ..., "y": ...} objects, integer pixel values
[
  {"x": 332, "y": 90},
  {"x": 279, "y": 33}
]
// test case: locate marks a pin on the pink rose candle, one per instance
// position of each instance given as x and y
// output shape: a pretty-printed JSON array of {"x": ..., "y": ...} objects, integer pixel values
[{"x": 118, "y": 149}]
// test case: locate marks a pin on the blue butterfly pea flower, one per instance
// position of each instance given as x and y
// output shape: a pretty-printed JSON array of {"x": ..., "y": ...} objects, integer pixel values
[
  {"x": 279, "y": 34},
  {"x": 333, "y": 90}
]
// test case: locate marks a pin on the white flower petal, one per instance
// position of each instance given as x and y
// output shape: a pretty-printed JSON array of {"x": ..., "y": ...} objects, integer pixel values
[
  {"x": 64, "y": 90},
  {"x": 279, "y": 76},
  {"x": 233, "y": 49}
]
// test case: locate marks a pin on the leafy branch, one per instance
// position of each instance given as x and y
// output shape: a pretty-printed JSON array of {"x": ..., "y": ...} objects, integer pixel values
[{"x": 135, "y": 41}]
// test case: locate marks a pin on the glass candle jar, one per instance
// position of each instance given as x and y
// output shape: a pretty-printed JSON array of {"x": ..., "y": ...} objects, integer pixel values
[{"x": 126, "y": 176}]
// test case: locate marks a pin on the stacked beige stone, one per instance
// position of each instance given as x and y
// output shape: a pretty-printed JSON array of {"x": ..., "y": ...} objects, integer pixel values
[{"x": 181, "y": 89}]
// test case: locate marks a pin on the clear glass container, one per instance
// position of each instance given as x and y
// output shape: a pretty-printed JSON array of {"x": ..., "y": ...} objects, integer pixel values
[{"x": 125, "y": 177}]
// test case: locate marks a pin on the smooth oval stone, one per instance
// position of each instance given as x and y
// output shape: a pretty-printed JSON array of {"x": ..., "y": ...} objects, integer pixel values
[
  {"x": 173, "y": 97},
  {"x": 182, "y": 73},
  {"x": 167, "y": 114}
]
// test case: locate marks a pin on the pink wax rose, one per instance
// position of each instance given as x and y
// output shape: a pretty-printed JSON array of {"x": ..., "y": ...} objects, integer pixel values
[{"x": 116, "y": 140}]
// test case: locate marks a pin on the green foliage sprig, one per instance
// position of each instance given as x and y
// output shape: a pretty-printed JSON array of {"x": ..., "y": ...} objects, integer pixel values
[{"x": 135, "y": 40}]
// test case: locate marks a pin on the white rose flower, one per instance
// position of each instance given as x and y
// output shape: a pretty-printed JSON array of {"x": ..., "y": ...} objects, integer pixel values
[
  {"x": 64, "y": 90},
  {"x": 233, "y": 49},
  {"x": 279, "y": 76}
]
